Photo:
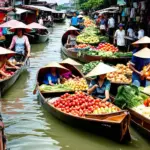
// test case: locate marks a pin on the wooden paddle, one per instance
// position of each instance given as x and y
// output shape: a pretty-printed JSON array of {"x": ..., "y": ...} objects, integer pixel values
[
  {"x": 104, "y": 116},
  {"x": 35, "y": 89}
]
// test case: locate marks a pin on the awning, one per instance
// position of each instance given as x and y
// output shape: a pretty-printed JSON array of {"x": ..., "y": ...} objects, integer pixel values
[
  {"x": 110, "y": 9},
  {"x": 43, "y": 8},
  {"x": 20, "y": 11}
]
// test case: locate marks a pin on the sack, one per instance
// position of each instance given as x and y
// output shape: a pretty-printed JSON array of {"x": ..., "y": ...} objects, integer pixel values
[{"x": 102, "y": 27}]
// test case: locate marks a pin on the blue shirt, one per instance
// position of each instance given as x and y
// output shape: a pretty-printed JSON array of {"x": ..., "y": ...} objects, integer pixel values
[
  {"x": 49, "y": 77},
  {"x": 100, "y": 91},
  {"x": 74, "y": 21}
]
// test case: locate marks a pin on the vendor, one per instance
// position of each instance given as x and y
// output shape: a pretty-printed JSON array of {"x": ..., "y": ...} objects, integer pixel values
[
  {"x": 74, "y": 20},
  {"x": 52, "y": 78},
  {"x": 20, "y": 43},
  {"x": 100, "y": 86},
  {"x": 71, "y": 40},
  {"x": 5, "y": 62},
  {"x": 81, "y": 22},
  {"x": 137, "y": 63}
]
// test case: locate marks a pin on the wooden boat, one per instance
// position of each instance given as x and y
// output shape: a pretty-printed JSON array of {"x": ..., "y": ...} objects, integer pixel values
[
  {"x": 88, "y": 58},
  {"x": 7, "y": 83},
  {"x": 42, "y": 38},
  {"x": 114, "y": 125},
  {"x": 2, "y": 136},
  {"x": 68, "y": 51}
]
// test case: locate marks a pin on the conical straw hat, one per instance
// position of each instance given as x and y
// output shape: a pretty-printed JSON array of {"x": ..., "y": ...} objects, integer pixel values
[
  {"x": 4, "y": 51},
  {"x": 100, "y": 69},
  {"x": 71, "y": 62},
  {"x": 144, "y": 53},
  {"x": 72, "y": 28},
  {"x": 144, "y": 40},
  {"x": 55, "y": 65}
]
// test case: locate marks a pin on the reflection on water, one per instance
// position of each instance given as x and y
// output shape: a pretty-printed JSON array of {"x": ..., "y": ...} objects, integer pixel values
[{"x": 29, "y": 126}]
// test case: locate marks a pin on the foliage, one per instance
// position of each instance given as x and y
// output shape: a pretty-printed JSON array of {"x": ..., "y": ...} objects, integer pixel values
[{"x": 91, "y": 4}]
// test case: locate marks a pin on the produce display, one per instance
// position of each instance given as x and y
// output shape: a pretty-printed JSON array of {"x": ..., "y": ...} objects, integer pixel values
[
  {"x": 88, "y": 22},
  {"x": 146, "y": 71},
  {"x": 89, "y": 66},
  {"x": 87, "y": 38},
  {"x": 103, "y": 39},
  {"x": 122, "y": 75},
  {"x": 79, "y": 104},
  {"x": 83, "y": 47},
  {"x": 107, "y": 47},
  {"x": 147, "y": 102},
  {"x": 108, "y": 54},
  {"x": 76, "y": 84},
  {"x": 91, "y": 30},
  {"x": 129, "y": 96},
  {"x": 145, "y": 90}
]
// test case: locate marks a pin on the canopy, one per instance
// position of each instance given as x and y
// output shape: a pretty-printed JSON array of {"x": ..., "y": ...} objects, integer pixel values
[
  {"x": 43, "y": 8},
  {"x": 20, "y": 25},
  {"x": 35, "y": 25},
  {"x": 101, "y": 69},
  {"x": 143, "y": 40},
  {"x": 71, "y": 62},
  {"x": 9, "y": 24},
  {"x": 20, "y": 11},
  {"x": 143, "y": 53},
  {"x": 4, "y": 51}
]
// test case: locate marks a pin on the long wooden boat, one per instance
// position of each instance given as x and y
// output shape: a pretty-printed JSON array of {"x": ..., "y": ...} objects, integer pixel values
[
  {"x": 68, "y": 51},
  {"x": 2, "y": 136},
  {"x": 114, "y": 125},
  {"x": 42, "y": 38},
  {"x": 7, "y": 83},
  {"x": 88, "y": 58},
  {"x": 140, "y": 122}
]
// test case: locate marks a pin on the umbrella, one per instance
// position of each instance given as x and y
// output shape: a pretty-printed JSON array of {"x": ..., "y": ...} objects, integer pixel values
[
  {"x": 35, "y": 25},
  {"x": 4, "y": 51},
  {"x": 9, "y": 24},
  {"x": 143, "y": 40},
  {"x": 58, "y": 66},
  {"x": 71, "y": 62},
  {"x": 143, "y": 53},
  {"x": 100, "y": 69}
]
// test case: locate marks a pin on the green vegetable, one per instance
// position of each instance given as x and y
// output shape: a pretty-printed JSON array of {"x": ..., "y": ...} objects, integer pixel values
[{"x": 129, "y": 96}]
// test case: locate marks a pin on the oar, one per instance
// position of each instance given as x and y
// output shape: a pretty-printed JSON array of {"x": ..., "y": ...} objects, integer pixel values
[
  {"x": 35, "y": 89},
  {"x": 104, "y": 116}
]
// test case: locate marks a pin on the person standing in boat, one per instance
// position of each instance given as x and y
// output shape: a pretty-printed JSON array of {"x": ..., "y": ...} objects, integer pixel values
[
  {"x": 100, "y": 86},
  {"x": 20, "y": 43},
  {"x": 139, "y": 61},
  {"x": 81, "y": 22},
  {"x": 74, "y": 20}
]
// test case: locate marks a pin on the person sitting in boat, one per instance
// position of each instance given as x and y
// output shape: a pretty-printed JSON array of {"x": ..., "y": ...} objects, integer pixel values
[
  {"x": 3, "y": 63},
  {"x": 81, "y": 22},
  {"x": 71, "y": 41},
  {"x": 20, "y": 43},
  {"x": 100, "y": 86},
  {"x": 52, "y": 78},
  {"x": 66, "y": 76}
]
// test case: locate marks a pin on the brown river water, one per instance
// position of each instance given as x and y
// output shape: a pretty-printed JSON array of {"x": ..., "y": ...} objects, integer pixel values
[{"x": 29, "y": 126}]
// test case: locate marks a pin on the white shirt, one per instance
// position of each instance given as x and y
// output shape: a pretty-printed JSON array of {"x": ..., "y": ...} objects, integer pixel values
[
  {"x": 140, "y": 33},
  {"x": 49, "y": 18},
  {"x": 111, "y": 22},
  {"x": 131, "y": 33},
  {"x": 40, "y": 21},
  {"x": 119, "y": 35}
]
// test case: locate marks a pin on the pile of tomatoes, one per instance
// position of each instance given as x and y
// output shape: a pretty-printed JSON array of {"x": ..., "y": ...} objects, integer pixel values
[
  {"x": 147, "y": 102},
  {"x": 79, "y": 104},
  {"x": 107, "y": 47}
]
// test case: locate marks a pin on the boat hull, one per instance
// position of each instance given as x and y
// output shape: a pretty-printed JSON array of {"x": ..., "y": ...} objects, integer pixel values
[
  {"x": 108, "y": 129},
  {"x": 59, "y": 20},
  {"x": 71, "y": 54},
  {"x": 7, "y": 83},
  {"x": 2, "y": 136},
  {"x": 42, "y": 38}
]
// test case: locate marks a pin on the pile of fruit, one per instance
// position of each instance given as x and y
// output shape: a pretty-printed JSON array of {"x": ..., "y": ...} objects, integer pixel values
[
  {"x": 88, "y": 22},
  {"x": 77, "y": 84},
  {"x": 146, "y": 71},
  {"x": 79, "y": 104},
  {"x": 147, "y": 102},
  {"x": 80, "y": 46},
  {"x": 91, "y": 30},
  {"x": 87, "y": 38},
  {"x": 122, "y": 75},
  {"x": 89, "y": 66},
  {"x": 107, "y": 47}
]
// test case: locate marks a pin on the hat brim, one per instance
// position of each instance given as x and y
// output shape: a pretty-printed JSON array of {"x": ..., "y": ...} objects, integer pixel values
[{"x": 144, "y": 53}]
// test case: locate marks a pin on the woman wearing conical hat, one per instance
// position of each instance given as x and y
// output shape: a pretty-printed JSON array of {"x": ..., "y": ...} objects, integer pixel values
[
  {"x": 100, "y": 86},
  {"x": 140, "y": 59}
]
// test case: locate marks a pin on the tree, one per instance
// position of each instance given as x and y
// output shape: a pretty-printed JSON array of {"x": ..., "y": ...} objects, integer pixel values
[{"x": 90, "y": 4}]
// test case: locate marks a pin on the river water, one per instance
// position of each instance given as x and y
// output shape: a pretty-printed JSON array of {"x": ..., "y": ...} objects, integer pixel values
[{"x": 30, "y": 127}]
